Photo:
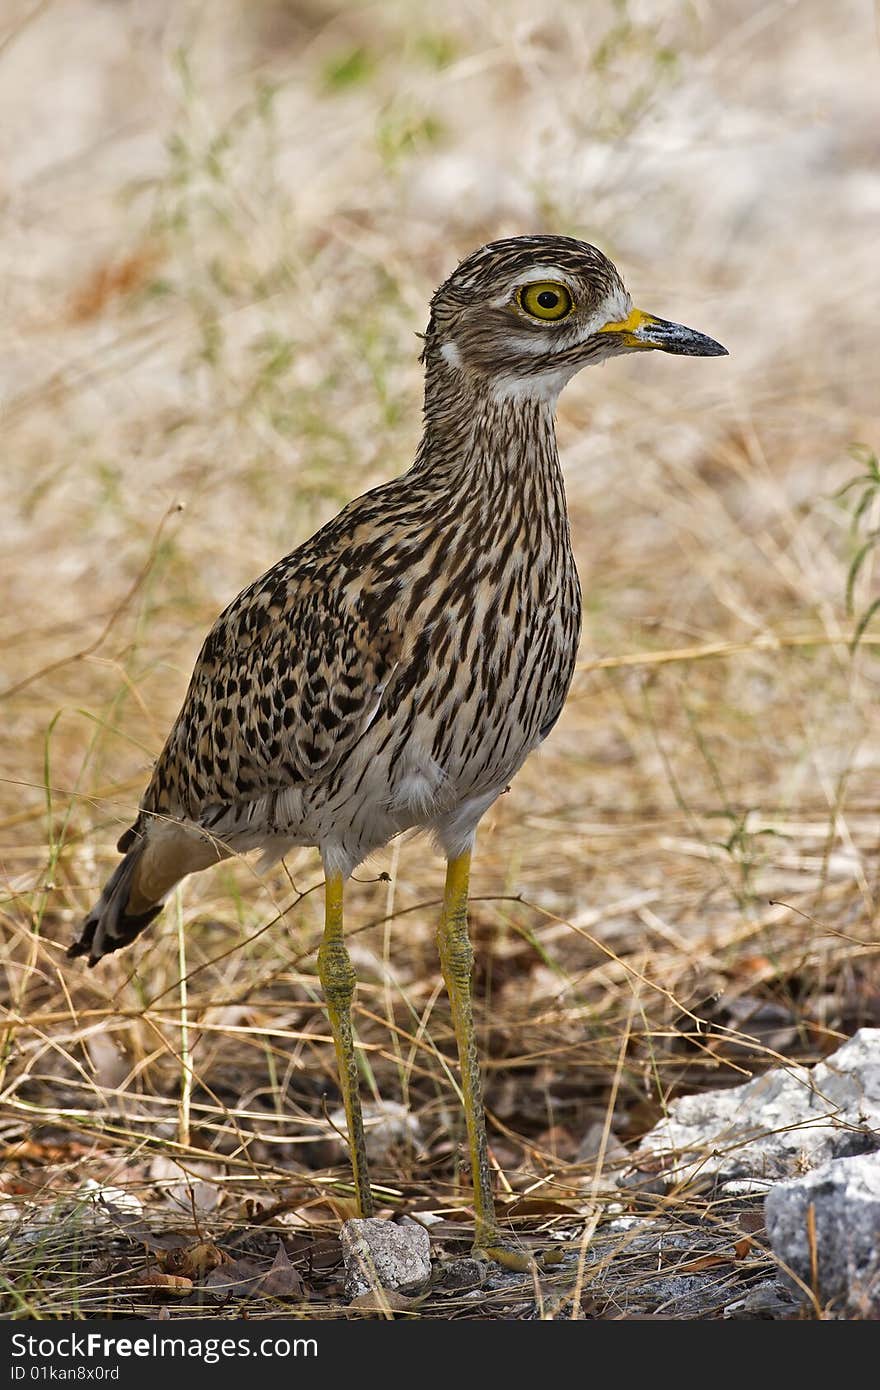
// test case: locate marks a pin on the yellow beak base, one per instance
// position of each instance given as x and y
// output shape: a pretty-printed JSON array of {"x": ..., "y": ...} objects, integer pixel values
[{"x": 639, "y": 332}]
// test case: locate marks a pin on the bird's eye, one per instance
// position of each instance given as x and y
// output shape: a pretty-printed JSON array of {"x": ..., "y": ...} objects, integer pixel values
[{"x": 545, "y": 300}]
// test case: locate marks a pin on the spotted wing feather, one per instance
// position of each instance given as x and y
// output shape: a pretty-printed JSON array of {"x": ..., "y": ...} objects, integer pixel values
[{"x": 288, "y": 679}]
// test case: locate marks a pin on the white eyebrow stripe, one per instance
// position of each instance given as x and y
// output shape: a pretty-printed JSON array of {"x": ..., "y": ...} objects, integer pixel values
[{"x": 530, "y": 277}]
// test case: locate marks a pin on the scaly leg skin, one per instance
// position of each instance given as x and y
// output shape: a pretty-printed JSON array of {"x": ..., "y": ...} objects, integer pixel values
[
  {"x": 337, "y": 978},
  {"x": 457, "y": 960}
]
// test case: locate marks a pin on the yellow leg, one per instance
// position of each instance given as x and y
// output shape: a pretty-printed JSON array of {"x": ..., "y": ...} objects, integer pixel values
[
  {"x": 337, "y": 977},
  {"x": 457, "y": 959}
]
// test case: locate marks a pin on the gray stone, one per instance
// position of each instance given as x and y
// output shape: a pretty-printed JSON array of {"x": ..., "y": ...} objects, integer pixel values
[
  {"x": 590, "y": 1148},
  {"x": 462, "y": 1273},
  {"x": 771, "y": 1299},
  {"x": 845, "y": 1197},
  {"x": 380, "y": 1254},
  {"x": 779, "y": 1125}
]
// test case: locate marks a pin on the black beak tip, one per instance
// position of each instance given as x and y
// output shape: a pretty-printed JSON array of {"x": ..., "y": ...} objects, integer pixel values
[
  {"x": 678, "y": 340},
  {"x": 690, "y": 344}
]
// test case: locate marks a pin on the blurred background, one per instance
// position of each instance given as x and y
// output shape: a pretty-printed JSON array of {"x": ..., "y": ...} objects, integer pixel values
[{"x": 221, "y": 225}]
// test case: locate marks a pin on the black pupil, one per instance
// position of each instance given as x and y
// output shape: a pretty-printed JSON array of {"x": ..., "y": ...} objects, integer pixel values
[{"x": 548, "y": 299}]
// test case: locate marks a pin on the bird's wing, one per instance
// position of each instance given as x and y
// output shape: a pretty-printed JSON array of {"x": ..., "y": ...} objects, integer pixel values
[{"x": 288, "y": 679}]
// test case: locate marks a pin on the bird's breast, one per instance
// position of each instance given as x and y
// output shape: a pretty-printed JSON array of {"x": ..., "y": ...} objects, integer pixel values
[{"x": 482, "y": 677}]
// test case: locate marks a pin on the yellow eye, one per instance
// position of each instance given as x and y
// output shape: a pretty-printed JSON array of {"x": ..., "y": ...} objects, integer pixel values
[{"x": 545, "y": 300}]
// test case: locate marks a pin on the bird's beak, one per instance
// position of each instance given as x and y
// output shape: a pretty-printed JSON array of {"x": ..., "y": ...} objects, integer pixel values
[{"x": 640, "y": 331}]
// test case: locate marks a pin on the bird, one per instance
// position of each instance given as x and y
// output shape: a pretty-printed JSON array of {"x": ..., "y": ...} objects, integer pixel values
[{"x": 394, "y": 672}]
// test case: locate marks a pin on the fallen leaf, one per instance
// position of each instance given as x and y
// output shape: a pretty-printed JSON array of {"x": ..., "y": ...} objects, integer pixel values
[
  {"x": 325, "y": 1254},
  {"x": 32, "y": 1150},
  {"x": 743, "y": 1246},
  {"x": 705, "y": 1262},
  {"x": 156, "y": 1281},
  {"x": 653, "y": 1163},
  {"x": 283, "y": 1279},
  {"x": 557, "y": 1140},
  {"x": 751, "y": 1222},
  {"x": 137, "y": 1229},
  {"x": 238, "y": 1278},
  {"x": 191, "y": 1260}
]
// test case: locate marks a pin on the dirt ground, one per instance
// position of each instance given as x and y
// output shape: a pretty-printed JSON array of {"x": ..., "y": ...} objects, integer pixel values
[{"x": 221, "y": 228}]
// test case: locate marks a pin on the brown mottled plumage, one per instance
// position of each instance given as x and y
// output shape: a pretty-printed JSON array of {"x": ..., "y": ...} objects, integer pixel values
[{"x": 397, "y": 669}]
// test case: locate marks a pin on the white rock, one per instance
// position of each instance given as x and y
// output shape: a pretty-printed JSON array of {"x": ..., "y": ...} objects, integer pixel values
[
  {"x": 184, "y": 1187},
  {"x": 427, "y": 1218},
  {"x": 101, "y": 1194},
  {"x": 624, "y": 1223},
  {"x": 388, "y": 1125},
  {"x": 845, "y": 1197},
  {"x": 596, "y": 1142},
  {"x": 781, "y": 1124},
  {"x": 379, "y": 1254}
]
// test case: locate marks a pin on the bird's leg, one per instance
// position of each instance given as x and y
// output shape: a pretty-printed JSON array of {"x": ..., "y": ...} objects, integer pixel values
[
  {"x": 337, "y": 978},
  {"x": 457, "y": 960}
]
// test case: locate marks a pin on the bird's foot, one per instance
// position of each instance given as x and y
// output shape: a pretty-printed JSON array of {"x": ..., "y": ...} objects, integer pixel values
[
  {"x": 494, "y": 1261},
  {"x": 500, "y": 1252}
]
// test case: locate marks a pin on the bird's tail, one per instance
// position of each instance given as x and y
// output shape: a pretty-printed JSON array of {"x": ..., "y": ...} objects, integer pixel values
[{"x": 158, "y": 855}]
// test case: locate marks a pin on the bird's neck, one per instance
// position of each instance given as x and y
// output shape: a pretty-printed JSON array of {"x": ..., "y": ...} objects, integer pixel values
[{"x": 480, "y": 437}]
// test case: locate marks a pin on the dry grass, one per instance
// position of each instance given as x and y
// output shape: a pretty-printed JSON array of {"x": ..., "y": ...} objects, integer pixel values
[{"x": 221, "y": 226}]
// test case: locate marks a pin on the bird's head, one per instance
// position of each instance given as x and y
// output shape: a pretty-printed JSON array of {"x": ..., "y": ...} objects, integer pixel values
[{"x": 526, "y": 313}]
